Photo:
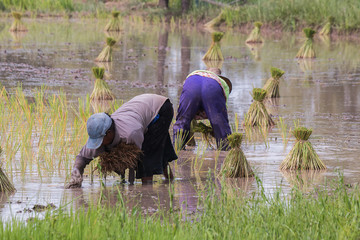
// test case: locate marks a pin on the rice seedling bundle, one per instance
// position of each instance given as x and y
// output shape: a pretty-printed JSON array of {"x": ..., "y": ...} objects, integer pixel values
[
  {"x": 257, "y": 114},
  {"x": 307, "y": 49},
  {"x": 5, "y": 185},
  {"x": 120, "y": 158},
  {"x": 17, "y": 25},
  {"x": 302, "y": 155},
  {"x": 255, "y": 36},
  {"x": 235, "y": 164},
  {"x": 214, "y": 53},
  {"x": 114, "y": 23},
  {"x": 205, "y": 130},
  {"x": 272, "y": 84},
  {"x": 216, "y": 21},
  {"x": 326, "y": 30},
  {"x": 106, "y": 53},
  {"x": 101, "y": 90}
]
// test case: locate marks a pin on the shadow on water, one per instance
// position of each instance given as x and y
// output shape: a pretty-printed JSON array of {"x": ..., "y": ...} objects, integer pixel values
[{"x": 322, "y": 93}]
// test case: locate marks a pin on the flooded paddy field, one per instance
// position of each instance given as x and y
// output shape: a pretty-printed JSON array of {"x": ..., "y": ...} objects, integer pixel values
[{"x": 59, "y": 54}]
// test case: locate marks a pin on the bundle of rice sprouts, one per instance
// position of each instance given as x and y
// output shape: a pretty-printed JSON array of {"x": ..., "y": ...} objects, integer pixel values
[
  {"x": 101, "y": 89},
  {"x": 120, "y": 158},
  {"x": 214, "y": 53},
  {"x": 307, "y": 50},
  {"x": 326, "y": 30},
  {"x": 302, "y": 155},
  {"x": 217, "y": 21},
  {"x": 101, "y": 105},
  {"x": 17, "y": 25},
  {"x": 255, "y": 36},
  {"x": 5, "y": 185},
  {"x": 213, "y": 64},
  {"x": 272, "y": 84},
  {"x": 235, "y": 164},
  {"x": 205, "y": 130},
  {"x": 257, "y": 114},
  {"x": 106, "y": 53},
  {"x": 114, "y": 23}
]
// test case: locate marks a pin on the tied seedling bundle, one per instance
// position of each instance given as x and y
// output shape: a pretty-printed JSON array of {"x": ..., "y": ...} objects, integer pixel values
[
  {"x": 114, "y": 24},
  {"x": 5, "y": 185},
  {"x": 106, "y": 53},
  {"x": 17, "y": 25},
  {"x": 205, "y": 130},
  {"x": 302, "y": 155},
  {"x": 327, "y": 29},
  {"x": 307, "y": 49},
  {"x": 120, "y": 158},
  {"x": 272, "y": 84},
  {"x": 217, "y": 21},
  {"x": 255, "y": 36},
  {"x": 101, "y": 89},
  {"x": 235, "y": 164},
  {"x": 257, "y": 114},
  {"x": 214, "y": 53}
]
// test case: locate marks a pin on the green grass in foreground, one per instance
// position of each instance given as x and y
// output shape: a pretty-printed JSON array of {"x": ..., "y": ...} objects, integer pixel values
[{"x": 324, "y": 214}]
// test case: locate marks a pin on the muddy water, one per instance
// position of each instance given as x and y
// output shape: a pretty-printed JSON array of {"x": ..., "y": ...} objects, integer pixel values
[{"x": 321, "y": 93}]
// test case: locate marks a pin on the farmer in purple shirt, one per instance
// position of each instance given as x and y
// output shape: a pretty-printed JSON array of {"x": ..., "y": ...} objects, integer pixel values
[
  {"x": 204, "y": 96},
  {"x": 143, "y": 121}
]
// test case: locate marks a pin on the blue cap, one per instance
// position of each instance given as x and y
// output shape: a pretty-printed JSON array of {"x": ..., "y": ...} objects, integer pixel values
[{"x": 97, "y": 125}]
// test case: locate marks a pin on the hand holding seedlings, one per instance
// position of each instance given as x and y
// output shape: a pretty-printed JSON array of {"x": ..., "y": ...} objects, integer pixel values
[
  {"x": 201, "y": 93},
  {"x": 136, "y": 136}
]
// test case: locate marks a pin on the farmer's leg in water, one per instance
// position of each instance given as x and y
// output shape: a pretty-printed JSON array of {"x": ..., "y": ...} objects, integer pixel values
[
  {"x": 157, "y": 148},
  {"x": 214, "y": 104},
  {"x": 190, "y": 103}
]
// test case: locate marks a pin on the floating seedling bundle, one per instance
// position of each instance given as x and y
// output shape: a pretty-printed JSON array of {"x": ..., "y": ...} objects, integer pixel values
[
  {"x": 302, "y": 155},
  {"x": 114, "y": 24},
  {"x": 101, "y": 89},
  {"x": 214, "y": 53},
  {"x": 326, "y": 30},
  {"x": 106, "y": 53},
  {"x": 255, "y": 36},
  {"x": 120, "y": 158},
  {"x": 272, "y": 84},
  {"x": 5, "y": 185},
  {"x": 235, "y": 164},
  {"x": 17, "y": 25},
  {"x": 257, "y": 114},
  {"x": 307, "y": 49}
]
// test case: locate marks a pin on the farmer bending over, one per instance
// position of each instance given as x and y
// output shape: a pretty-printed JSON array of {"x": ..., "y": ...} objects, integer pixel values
[
  {"x": 204, "y": 96},
  {"x": 143, "y": 121}
]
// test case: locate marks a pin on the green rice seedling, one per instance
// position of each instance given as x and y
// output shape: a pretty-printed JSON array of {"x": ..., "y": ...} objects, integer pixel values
[
  {"x": 327, "y": 29},
  {"x": 101, "y": 105},
  {"x": 214, "y": 53},
  {"x": 101, "y": 90},
  {"x": 5, "y": 185},
  {"x": 257, "y": 114},
  {"x": 235, "y": 164},
  {"x": 106, "y": 53},
  {"x": 206, "y": 132},
  {"x": 191, "y": 141},
  {"x": 114, "y": 24},
  {"x": 307, "y": 49},
  {"x": 17, "y": 25},
  {"x": 272, "y": 84},
  {"x": 255, "y": 36},
  {"x": 283, "y": 128},
  {"x": 217, "y": 21},
  {"x": 302, "y": 155}
]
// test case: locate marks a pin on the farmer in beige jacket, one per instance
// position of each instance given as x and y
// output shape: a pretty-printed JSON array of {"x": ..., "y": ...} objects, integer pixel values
[{"x": 143, "y": 121}]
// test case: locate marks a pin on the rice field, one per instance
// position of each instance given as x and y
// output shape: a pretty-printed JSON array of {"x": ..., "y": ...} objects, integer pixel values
[{"x": 46, "y": 82}]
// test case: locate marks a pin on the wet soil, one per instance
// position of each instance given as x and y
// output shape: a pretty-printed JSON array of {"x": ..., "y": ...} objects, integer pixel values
[{"x": 322, "y": 93}]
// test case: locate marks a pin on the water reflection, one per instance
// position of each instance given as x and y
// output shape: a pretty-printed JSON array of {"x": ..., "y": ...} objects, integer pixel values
[{"x": 304, "y": 180}]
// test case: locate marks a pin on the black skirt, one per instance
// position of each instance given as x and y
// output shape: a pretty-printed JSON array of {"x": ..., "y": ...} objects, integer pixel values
[{"x": 157, "y": 148}]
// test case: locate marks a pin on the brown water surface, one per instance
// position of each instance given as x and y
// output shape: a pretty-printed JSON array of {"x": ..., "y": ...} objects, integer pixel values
[{"x": 322, "y": 93}]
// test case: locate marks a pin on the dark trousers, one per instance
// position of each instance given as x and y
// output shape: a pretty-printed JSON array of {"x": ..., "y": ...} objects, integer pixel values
[
  {"x": 201, "y": 93},
  {"x": 157, "y": 148}
]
